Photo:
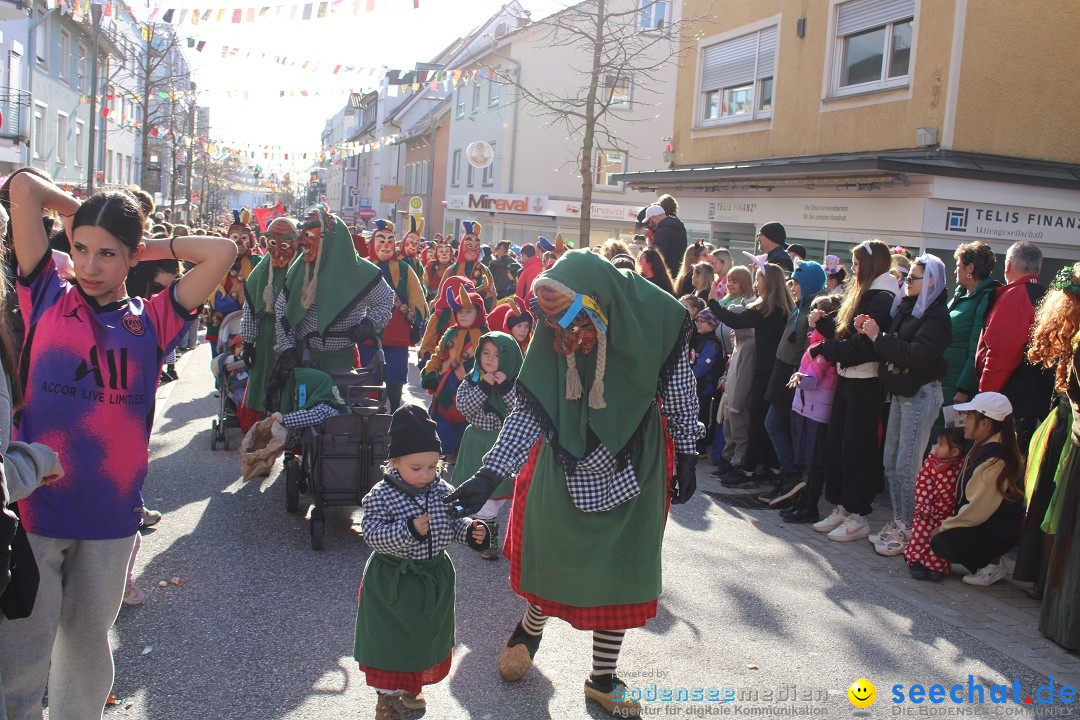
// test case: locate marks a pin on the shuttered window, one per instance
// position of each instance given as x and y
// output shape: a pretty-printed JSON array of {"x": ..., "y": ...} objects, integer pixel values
[
  {"x": 873, "y": 42},
  {"x": 737, "y": 77}
]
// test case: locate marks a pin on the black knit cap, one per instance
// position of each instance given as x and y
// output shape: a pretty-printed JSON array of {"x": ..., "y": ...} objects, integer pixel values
[
  {"x": 775, "y": 232},
  {"x": 412, "y": 431}
]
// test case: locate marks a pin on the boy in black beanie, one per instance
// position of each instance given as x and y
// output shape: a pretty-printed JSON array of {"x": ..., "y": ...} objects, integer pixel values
[{"x": 405, "y": 618}]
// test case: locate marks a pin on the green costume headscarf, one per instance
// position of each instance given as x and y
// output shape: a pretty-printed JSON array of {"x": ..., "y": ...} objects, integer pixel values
[
  {"x": 509, "y": 364},
  {"x": 314, "y": 387},
  {"x": 645, "y": 328},
  {"x": 343, "y": 277},
  {"x": 254, "y": 288}
]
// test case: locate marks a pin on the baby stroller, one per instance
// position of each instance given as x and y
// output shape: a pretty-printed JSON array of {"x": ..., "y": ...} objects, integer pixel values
[
  {"x": 341, "y": 459},
  {"x": 231, "y": 377}
]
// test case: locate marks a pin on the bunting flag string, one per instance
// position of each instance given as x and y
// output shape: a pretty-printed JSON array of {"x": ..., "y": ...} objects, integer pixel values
[{"x": 237, "y": 16}]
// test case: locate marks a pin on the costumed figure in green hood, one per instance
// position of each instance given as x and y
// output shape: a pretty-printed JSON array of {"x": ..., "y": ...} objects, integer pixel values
[
  {"x": 485, "y": 397},
  {"x": 468, "y": 264},
  {"x": 410, "y": 310},
  {"x": 330, "y": 295},
  {"x": 405, "y": 617},
  {"x": 595, "y": 461},
  {"x": 263, "y": 286}
]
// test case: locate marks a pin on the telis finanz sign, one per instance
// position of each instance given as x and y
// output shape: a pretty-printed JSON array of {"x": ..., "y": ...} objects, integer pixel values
[{"x": 1001, "y": 222}]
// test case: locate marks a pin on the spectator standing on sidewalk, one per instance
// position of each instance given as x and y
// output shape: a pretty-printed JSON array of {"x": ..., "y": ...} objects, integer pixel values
[{"x": 772, "y": 239}]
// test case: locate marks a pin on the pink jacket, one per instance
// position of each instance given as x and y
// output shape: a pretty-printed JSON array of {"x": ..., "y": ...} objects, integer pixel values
[{"x": 814, "y": 396}]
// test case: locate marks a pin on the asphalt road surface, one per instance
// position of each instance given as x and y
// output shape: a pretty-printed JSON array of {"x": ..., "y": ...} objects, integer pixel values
[{"x": 262, "y": 626}]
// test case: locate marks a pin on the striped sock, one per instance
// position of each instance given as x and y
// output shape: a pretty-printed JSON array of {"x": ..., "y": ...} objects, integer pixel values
[
  {"x": 534, "y": 621},
  {"x": 606, "y": 645}
]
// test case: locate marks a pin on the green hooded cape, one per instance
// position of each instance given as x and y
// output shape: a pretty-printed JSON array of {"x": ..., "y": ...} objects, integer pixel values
[
  {"x": 313, "y": 387},
  {"x": 645, "y": 326},
  {"x": 259, "y": 375},
  {"x": 344, "y": 277}
]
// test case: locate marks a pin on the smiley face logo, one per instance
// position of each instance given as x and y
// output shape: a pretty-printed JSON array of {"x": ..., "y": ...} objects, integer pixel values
[{"x": 862, "y": 693}]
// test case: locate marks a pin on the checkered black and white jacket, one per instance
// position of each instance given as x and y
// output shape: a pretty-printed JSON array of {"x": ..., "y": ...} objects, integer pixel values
[{"x": 388, "y": 511}]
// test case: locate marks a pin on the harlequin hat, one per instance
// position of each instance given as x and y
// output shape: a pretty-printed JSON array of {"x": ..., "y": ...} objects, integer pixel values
[
  {"x": 544, "y": 244},
  {"x": 452, "y": 284},
  {"x": 414, "y": 225},
  {"x": 470, "y": 227},
  {"x": 383, "y": 225}
]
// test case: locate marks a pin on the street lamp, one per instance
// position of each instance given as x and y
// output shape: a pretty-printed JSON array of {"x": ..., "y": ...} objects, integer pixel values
[{"x": 96, "y": 9}]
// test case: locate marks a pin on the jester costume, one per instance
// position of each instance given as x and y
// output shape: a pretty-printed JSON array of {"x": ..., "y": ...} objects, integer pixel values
[
  {"x": 410, "y": 246},
  {"x": 229, "y": 297},
  {"x": 329, "y": 291},
  {"x": 468, "y": 264},
  {"x": 410, "y": 310},
  {"x": 605, "y": 397},
  {"x": 508, "y": 314},
  {"x": 442, "y": 317},
  {"x": 437, "y": 267},
  {"x": 449, "y": 364}
]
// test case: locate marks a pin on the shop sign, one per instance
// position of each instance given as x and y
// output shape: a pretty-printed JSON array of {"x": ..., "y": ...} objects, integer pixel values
[
  {"x": 1007, "y": 223},
  {"x": 499, "y": 202},
  {"x": 599, "y": 211}
]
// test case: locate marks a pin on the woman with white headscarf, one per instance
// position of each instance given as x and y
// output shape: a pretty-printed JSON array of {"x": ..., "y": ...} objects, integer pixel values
[{"x": 913, "y": 364}]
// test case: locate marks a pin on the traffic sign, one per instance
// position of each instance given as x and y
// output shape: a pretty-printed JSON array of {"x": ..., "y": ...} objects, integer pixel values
[
  {"x": 366, "y": 212},
  {"x": 416, "y": 205},
  {"x": 355, "y": 190}
]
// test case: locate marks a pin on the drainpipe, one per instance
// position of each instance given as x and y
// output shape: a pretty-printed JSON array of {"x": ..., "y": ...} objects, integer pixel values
[
  {"x": 31, "y": 58},
  {"x": 517, "y": 109}
]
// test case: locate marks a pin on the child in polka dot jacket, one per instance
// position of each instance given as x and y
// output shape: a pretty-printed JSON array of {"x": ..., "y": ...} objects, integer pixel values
[{"x": 935, "y": 497}]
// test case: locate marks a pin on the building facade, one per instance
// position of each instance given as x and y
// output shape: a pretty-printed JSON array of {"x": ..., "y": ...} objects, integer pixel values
[{"x": 852, "y": 119}]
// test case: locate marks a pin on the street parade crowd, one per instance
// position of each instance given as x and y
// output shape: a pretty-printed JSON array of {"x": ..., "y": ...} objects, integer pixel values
[{"x": 572, "y": 394}]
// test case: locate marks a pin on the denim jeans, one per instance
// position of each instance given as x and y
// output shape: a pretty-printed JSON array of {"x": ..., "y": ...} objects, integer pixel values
[
  {"x": 778, "y": 425},
  {"x": 910, "y": 421}
]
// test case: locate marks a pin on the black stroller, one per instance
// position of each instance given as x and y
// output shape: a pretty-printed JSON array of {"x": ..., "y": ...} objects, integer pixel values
[
  {"x": 340, "y": 460},
  {"x": 231, "y": 378}
]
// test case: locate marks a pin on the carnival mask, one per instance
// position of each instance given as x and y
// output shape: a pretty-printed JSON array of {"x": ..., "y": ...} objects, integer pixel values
[
  {"x": 410, "y": 244},
  {"x": 282, "y": 243},
  {"x": 444, "y": 254},
  {"x": 385, "y": 245},
  {"x": 470, "y": 248},
  {"x": 311, "y": 238},
  {"x": 580, "y": 335}
]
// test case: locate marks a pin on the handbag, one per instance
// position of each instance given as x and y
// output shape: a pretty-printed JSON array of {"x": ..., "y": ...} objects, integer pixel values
[{"x": 17, "y": 600}]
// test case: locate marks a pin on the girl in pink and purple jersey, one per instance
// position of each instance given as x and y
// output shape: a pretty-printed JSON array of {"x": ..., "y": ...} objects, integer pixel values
[{"x": 90, "y": 367}]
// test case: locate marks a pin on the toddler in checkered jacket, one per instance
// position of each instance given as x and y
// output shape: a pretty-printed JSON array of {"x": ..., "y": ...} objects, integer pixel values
[{"x": 405, "y": 614}]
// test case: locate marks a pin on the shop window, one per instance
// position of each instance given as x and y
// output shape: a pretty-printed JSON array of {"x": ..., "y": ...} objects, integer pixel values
[
  {"x": 873, "y": 45},
  {"x": 737, "y": 78}
]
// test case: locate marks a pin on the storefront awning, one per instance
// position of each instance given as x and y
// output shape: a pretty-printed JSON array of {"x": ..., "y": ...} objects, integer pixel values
[{"x": 854, "y": 170}]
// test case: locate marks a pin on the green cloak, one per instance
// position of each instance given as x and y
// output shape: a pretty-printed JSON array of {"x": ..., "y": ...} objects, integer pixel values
[
  {"x": 344, "y": 277},
  {"x": 259, "y": 375},
  {"x": 313, "y": 387}
]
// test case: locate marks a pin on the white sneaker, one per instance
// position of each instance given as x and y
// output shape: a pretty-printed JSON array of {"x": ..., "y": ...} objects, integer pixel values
[
  {"x": 892, "y": 544},
  {"x": 836, "y": 519},
  {"x": 853, "y": 528},
  {"x": 887, "y": 529},
  {"x": 987, "y": 575}
]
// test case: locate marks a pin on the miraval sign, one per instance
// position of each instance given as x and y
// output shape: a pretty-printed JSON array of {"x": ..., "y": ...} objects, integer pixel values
[{"x": 497, "y": 202}]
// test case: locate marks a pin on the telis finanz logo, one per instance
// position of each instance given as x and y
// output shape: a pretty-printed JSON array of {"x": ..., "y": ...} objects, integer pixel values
[{"x": 956, "y": 219}]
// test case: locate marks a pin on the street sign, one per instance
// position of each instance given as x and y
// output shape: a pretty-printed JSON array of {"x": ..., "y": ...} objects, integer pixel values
[
  {"x": 354, "y": 191},
  {"x": 416, "y": 205},
  {"x": 195, "y": 196},
  {"x": 366, "y": 212}
]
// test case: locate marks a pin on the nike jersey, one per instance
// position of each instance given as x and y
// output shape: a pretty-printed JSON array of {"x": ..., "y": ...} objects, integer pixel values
[{"x": 91, "y": 373}]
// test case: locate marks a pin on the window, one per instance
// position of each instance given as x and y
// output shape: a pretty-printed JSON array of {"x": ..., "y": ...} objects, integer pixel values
[
  {"x": 616, "y": 91},
  {"x": 873, "y": 45},
  {"x": 130, "y": 166},
  {"x": 409, "y": 178},
  {"x": 737, "y": 78},
  {"x": 108, "y": 166},
  {"x": 461, "y": 101},
  {"x": 476, "y": 95},
  {"x": 470, "y": 176},
  {"x": 487, "y": 178},
  {"x": 455, "y": 168},
  {"x": 61, "y": 138},
  {"x": 80, "y": 149},
  {"x": 609, "y": 162},
  {"x": 493, "y": 92},
  {"x": 41, "y": 44},
  {"x": 652, "y": 15},
  {"x": 83, "y": 79},
  {"x": 65, "y": 54},
  {"x": 40, "y": 111}
]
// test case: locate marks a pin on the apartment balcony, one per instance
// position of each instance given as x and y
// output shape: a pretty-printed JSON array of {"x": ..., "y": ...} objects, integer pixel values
[{"x": 11, "y": 104}]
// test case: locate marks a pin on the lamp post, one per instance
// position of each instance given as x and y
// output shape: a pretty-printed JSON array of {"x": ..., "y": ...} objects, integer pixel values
[{"x": 96, "y": 9}]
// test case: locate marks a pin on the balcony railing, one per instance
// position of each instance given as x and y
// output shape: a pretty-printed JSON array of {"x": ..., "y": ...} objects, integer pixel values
[{"x": 11, "y": 104}]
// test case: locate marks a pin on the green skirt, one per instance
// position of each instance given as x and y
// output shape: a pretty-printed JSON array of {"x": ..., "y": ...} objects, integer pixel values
[
  {"x": 405, "y": 619},
  {"x": 594, "y": 559},
  {"x": 475, "y": 444}
]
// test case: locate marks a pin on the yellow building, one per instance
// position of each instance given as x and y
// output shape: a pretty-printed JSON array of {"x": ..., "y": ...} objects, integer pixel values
[{"x": 923, "y": 122}]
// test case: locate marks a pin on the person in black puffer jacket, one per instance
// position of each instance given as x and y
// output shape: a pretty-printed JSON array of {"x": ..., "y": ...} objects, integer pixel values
[
  {"x": 669, "y": 233},
  {"x": 767, "y": 316},
  {"x": 913, "y": 364},
  {"x": 852, "y": 461}
]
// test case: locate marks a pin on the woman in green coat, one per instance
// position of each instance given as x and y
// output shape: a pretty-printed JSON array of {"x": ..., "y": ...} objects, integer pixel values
[{"x": 967, "y": 312}]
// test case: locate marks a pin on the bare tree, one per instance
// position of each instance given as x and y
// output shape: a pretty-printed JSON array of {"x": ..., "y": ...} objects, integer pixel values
[{"x": 619, "y": 42}]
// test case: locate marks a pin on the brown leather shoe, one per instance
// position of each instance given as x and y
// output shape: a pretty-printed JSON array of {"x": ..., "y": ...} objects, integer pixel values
[
  {"x": 389, "y": 707},
  {"x": 614, "y": 700},
  {"x": 411, "y": 701}
]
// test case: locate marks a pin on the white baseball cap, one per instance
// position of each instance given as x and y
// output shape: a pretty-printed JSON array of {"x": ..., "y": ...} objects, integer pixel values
[
  {"x": 654, "y": 210},
  {"x": 991, "y": 404}
]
